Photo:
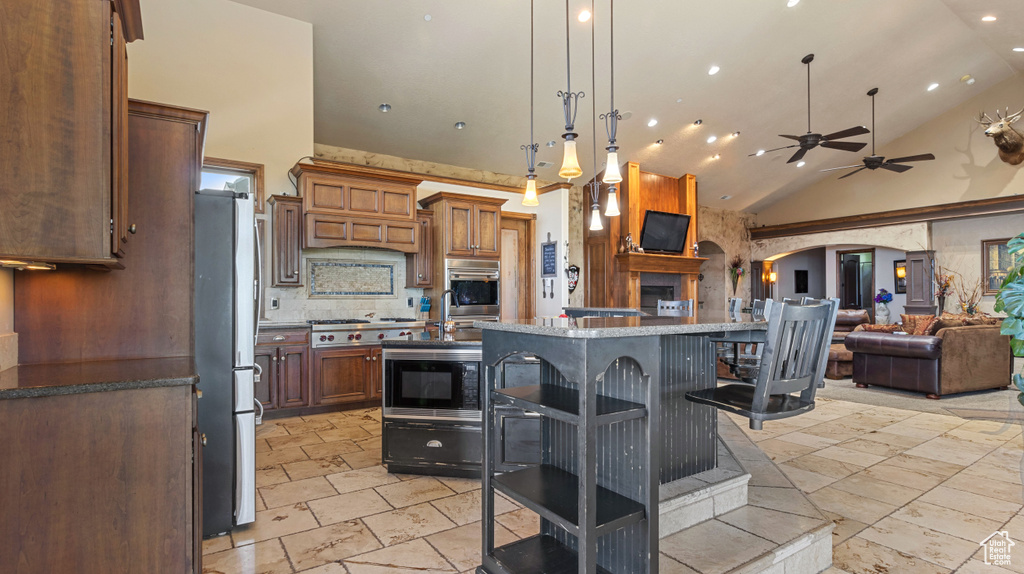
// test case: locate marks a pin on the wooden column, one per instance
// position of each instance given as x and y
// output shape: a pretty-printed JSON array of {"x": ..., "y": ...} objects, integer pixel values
[{"x": 920, "y": 286}]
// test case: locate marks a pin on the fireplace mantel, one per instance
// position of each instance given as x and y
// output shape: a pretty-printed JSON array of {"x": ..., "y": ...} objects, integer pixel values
[{"x": 658, "y": 263}]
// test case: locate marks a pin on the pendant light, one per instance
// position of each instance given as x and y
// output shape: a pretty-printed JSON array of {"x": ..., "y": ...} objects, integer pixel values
[
  {"x": 595, "y": 186},
  {"x": 530, "y": 197},
  {"x": 570, "y": 101},
  {"x": 612, "y": 175}
]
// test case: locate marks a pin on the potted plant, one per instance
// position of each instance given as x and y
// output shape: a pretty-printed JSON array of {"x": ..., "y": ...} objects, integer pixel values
[
  {"x": 1011, "y": 301},
  {"x": 882, "y": 300}
]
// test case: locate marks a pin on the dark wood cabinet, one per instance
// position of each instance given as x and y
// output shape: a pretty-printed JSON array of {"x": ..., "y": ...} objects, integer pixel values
[
  {"x": 419, "y": 266},
  {"x": 283, "y": 356},
  {"x": 487, "y": 218},
  {"x": 346, "y": 374},
  {"x": 517, "y": 432},
  {"x": 466, "y": 226},
  {"x": 439, "y": 448},
  {"x": 64, "y": 155},
  {"x": 287, "y": 253},
  {"x": 376, "y": 373}
]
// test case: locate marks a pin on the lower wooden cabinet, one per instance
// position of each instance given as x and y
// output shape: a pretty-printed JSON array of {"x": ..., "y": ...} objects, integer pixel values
[
  {"x": 432, "y": 447},
  {"x": 283, "y": 357},
  {"x": 346, "y": 374}
]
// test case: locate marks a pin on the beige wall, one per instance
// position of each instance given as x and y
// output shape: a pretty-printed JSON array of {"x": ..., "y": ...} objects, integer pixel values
[
  {"x": 967, "y": 167},
  {"x": 957, "y": 247},
  {"x": 252, "y": 70},
  {"x": 729, "y": 231}
]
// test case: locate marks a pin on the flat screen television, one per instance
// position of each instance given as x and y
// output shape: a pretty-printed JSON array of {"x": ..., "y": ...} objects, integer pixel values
[{"x": 664, "y": 232}]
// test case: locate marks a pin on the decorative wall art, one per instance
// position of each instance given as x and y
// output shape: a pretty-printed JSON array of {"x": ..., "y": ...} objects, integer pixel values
[
  {"x": 800, "y": 281},
  {"x": 339, "y": 278},
  {"x": 996, "y": 264},
  {"x": 1009, "y": 141},
  {"x": 899, "y": 271}
]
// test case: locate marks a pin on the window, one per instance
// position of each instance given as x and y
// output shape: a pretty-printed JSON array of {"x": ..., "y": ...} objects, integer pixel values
[{"x": 238, "y": 176}]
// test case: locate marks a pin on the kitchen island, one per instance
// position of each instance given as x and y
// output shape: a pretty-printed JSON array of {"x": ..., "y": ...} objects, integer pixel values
[{"x": 615, "y": 427}]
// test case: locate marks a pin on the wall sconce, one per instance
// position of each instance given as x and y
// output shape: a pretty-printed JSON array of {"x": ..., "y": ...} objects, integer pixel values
[
  {"x": 901, "y": 272},
  {"x": 772, "y": 277}
]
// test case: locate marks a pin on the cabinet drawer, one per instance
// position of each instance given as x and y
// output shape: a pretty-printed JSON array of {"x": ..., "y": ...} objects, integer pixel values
[
  {"x": 282, "y": 337},
  {"x": 415, "y": 444}
]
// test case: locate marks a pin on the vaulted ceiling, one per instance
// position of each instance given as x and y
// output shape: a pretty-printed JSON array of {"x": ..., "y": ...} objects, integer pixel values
[{"x": 438, "y": 62}]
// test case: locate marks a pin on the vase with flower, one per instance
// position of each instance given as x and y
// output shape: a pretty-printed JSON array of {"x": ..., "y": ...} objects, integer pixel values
[
  {"x": 943, "y": 287},
  {"x": 736, "y": 271},
  {"x": 882, "y": 300}
]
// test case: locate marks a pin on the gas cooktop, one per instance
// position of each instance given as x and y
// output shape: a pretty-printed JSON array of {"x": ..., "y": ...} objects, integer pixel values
[
  {"x": 336, "y": 321},
  {"x": 399, "y": 319}
]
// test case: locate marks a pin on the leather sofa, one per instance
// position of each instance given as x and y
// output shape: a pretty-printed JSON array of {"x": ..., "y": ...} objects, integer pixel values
[
  {"x": 840, "y": 360},
  {"x": 955, "y": 360},
  {"x": 846, "y": 321}
]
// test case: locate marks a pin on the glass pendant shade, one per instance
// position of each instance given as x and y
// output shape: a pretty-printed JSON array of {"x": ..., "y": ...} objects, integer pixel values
[
  {"x": 611, "y": 170},
  {"x": 612, "y": 209},
  {"x": 595, "y": 218},
  {"x": 570, "y": 165},
  {"x": 530, "y": 199}
]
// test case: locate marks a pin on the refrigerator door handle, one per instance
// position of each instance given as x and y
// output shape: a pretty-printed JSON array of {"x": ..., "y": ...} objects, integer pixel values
[
  {"x": 245, "y": 277},
  {"x": 258, "y": 294},
  {"x": 245, "y": 468},
  {"x": 245, "y": 390}
]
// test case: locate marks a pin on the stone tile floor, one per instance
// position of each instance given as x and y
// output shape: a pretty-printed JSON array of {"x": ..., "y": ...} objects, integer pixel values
[{"x": 909, "y": 492}]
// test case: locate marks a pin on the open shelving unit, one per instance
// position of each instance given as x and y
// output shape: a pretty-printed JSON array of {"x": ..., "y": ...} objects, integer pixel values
[{"x": 596, "y": 489}]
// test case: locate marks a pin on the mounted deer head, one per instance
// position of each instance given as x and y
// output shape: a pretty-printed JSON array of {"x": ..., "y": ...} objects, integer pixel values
[{"x": 1008, "y": 140}]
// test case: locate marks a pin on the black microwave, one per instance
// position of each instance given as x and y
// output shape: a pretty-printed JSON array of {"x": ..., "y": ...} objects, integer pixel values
[{"x": 432, "y": 384}]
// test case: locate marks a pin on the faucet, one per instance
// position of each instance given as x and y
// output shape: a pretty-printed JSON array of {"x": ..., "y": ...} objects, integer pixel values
[{"x": 444, "y": 307}]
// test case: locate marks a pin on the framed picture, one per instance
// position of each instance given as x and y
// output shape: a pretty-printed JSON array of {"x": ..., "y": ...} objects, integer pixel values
[
  {"x": 800, "y": 280},
  {"x": 899, "y": 271},
  {"x": 996, "y": 263}
]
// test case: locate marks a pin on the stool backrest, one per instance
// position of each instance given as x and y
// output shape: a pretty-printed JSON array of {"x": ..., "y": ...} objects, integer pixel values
[
  {"x": 735, "y": 304},
  {"x": 798, "y": 338}
]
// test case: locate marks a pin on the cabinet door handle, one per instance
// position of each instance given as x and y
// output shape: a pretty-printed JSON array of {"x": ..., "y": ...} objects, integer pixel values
[
  {"x": 432, "y": 444},
  {"x": 199, "y": 394},
  {"x": 132, "y": 229},
  {"x": 279, "y": 337},
  {"x": 375, "y": 358},
  {"x": 420, "y": 275},
  {"x": 273, "y": 359},
  {"x": 283, "y": 359},
  {"x": 367, "y": 358}
]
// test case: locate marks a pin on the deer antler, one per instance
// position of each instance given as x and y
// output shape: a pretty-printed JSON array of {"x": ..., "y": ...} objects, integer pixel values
[
  {"x": 1014, "y": 117},
  {"x": 984, "y": 120},
  {"x": 1000, "y": 116}
]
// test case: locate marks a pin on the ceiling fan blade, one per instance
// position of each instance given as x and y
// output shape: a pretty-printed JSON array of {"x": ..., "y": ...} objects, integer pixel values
[
  {"x": 853, "y": 172},
  {"x": 844, "y": 167},
  {"x": 895, "y": 167},
  {"x": 797, "y": 138},
  {"x": 845, "y": 146},
  {"x": 776, "y": 149},
  {"x": 922, "y": 157},
  {"x": 798, "y": 155},
  {"x": 855, "y": 131}
]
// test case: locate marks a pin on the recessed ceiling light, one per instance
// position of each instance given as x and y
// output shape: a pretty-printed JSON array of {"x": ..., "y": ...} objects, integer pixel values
[
  {"x": 1018, "y": 49},
  {"x": 679, "y": 100},
  {"x": 551, "y": 143},
  {"x": 460, "y": 125},
  {"x": 801, "y": 164},
  {"x": 659, "y": 142},
  {"x": 716, "y": 156},
  {"x": 988, "y": 19},
  {"x": 792, "y": 3},
  {"x": 652, "y": 123},
  {"x": 932, "y": 87},
  {"x": 427, "y": 17},
  {"x": 735, "y": 134},
  {"x": 967, "y": 79},
  {"x": 713, "y": 70},
  {"x": 698, "y": 122},
  {"x": 384, "y": 108},
  {"x": 712, "y": 139},
  {"x": 725, "y": 197},
  {"x": 584, "y": 16},
  {"x": 760, "y": 152}
]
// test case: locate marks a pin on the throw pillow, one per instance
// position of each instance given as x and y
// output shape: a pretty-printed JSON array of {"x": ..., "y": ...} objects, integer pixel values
[
  {"x": 878, "y": 328},
  {"x": 927, "y": 327},
  {"x": 909, "y": 322}
]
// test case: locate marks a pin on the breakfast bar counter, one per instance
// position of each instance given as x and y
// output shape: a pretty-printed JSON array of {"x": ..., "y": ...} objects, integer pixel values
[{"x": 615, "y": 426}]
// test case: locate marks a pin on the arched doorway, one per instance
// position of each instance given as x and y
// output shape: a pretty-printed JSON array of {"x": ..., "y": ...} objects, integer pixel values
[{"x": 713, "y": 293}]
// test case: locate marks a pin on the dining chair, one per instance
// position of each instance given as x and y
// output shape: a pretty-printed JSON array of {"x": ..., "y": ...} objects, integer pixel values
[
  {"x": 746, "y": 366},
  {"x": 790, "y": 367},
  {"x": 735, "y": 304},
  {"x": 682, "y": 308}
]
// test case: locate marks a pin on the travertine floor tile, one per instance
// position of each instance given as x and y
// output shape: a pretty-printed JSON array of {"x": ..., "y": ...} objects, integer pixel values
[
  {"x": 834, "y": 430},
  {"x": 269, "y": 475},
  {"x": 806, "y": 480},
  {"x": 849, "y": 456},
  {"x": 893, "y": 439},
  {"x": 362, "y": 459},
  {"x": 928, "y": 465},
  {"x": 270, "y": 429},
  {"x": 766, "y": 473},
  {"x": 952, "y": 450},
  {"x": 461, "y": 546},
  {"x": 953, "y": 522},
  {"x": 329, "y": 544},
  {"x": 994, "y": 471},
  {"x": 460, "y": 485},
  {"x": 899, "y": 475},
  {"x": 701, "y": 547},
  {"x": 523, "y": 522},
  {"x": 992, "y": 439},
  {"x": 415, "y": 555},
  {"x": 262, "y": 557},
  {"x": 345, "y": 432},
  {"x": 825, "y": 466},
  {"x": 872, "y": 447},
  {"x": 336, "y": 448},
  {"x": 669, "y": 566},
  {"x": 465, "y": 508},
  {"x": 1008, "y": 492},
  {"x": 976, "y": 504},
  {"x": 368, "y": 477},
  {"x": 317, "y": 424},
  {"x": 298, "y": 491},
  {"x": 404, "y": 524},
  {"x": 771, "y": 524},
  {"x": 805, "y": 439},
  {"x": 860, "y": 556},
  {"x": 318, "y": 467},
  {"x": 262, "y": 445},
  {"x": 931, "y": 545},
  {"x": 293, "y": 440},
  {"x": 979, "y": 567},
  {"x": 274, "y": 523},
  {"x": 844, "y": 527},
  {"x": 853, "y": 506},
  {"x": 876, "y": 489},
  {"x": 783, "y": 499},
  {"x": 216, "y": 544},
  {"x": 348, "y": 506},
  {"x": 781, "y": 451},
  {"x": 408, "y": 493}
]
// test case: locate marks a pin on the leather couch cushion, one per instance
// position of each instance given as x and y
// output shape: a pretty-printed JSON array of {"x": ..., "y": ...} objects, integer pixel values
[
  {"x": 877, "y": 328},
  {"x": 914, "y": 346},
  {"x": 848, "y": 319}
]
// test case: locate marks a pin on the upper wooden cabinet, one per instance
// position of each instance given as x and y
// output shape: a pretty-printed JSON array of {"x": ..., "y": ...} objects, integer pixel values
[
  {"x": 419, "y": 266},
  {"x": 467, "y": 226},
  {"x": 287, "y": 256},
  {"x": 64, "y": 155},
  {"x": 345, "y": 207}
]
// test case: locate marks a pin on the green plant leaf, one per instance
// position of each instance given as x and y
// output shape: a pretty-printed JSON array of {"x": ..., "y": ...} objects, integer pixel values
[
  {"x": 1011, "y": 298},
  {"x": 1020, "y": 399},
  {"x": 1016, "y": 245},
  {"x": 1013, "y": 327},
  {"x": 1017, "y": 345},
  {"x": 1018, "y": 381},
  {"x": 1011, "y": 277}
]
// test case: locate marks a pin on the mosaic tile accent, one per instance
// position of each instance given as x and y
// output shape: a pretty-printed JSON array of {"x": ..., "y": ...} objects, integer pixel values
[{"x": 338, "y": 278}]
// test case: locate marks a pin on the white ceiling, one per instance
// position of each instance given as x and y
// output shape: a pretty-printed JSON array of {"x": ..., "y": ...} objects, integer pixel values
[{"x": 470, "y": 63}]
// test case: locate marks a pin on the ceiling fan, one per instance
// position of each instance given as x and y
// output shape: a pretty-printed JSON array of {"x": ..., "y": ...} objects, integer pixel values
[
  {"x": 876, "y": 161},
  {"x": 811, "y": 140}
]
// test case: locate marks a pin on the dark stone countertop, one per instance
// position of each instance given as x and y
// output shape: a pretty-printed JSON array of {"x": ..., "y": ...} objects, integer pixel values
[
  {"x": 51, "y": 379},
  {"x": 432, "y": 338},
  {"x": 706, "y": 322}
]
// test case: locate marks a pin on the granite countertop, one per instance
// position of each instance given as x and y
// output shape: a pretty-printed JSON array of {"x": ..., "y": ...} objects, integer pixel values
[
  {"x": 283, "y": 325},
  {"x": 50, "y": 379},
  {"x": 706, "y": 322},
  {"x": 433, "y": 338}
]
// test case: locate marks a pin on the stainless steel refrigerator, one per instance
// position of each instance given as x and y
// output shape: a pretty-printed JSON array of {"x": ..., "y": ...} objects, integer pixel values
[{"x": 226, "y": 300}]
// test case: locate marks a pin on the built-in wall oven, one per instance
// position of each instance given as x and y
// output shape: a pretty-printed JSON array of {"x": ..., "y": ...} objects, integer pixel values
[
  {"x": 432, "y": 384},
  {"x": 476, "y": 287}
]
